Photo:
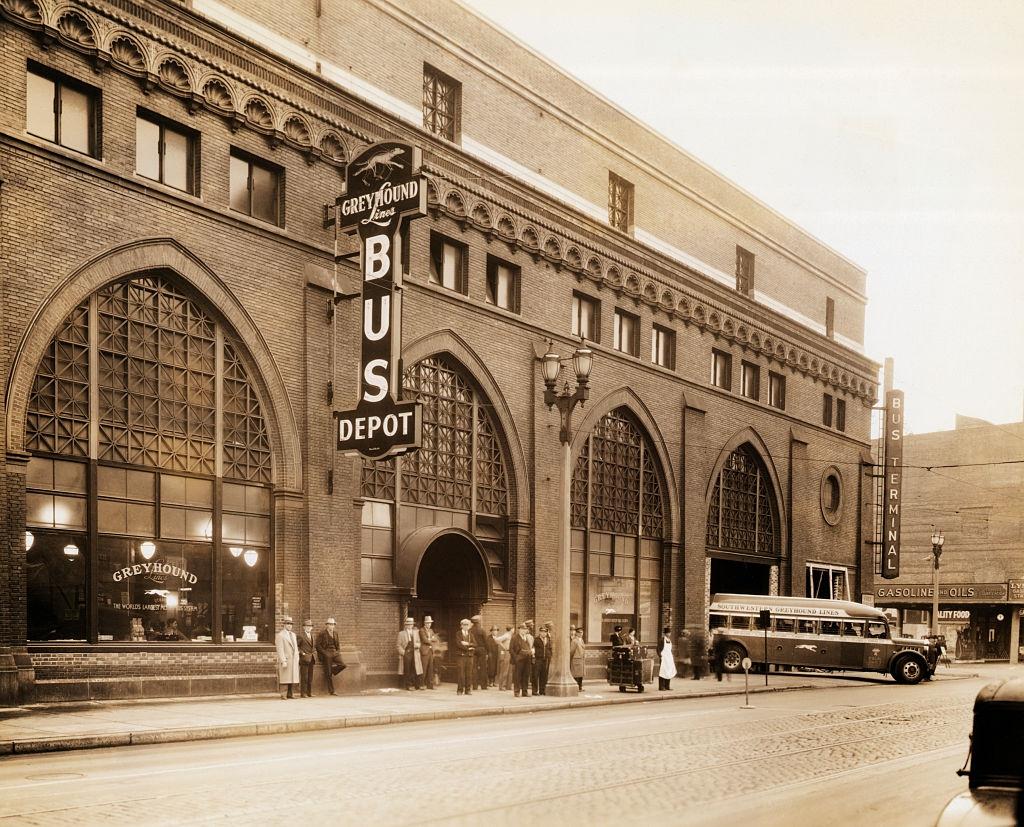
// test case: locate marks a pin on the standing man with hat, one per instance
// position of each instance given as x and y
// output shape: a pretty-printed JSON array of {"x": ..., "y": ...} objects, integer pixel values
[
  {"x": 327, "y": 647},
  {"x": 428, "y": 640},
  {"x": 307, "y": 657},
  {"x": 480, "y": 657},
  {"x": 287, "y": 658},
  {"x": 464, "y": 651},
  {"x": 410, "y": 662}
]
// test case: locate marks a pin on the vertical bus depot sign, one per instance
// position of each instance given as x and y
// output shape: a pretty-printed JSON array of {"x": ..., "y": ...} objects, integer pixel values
[
  {"x": 383, "y": 188},
  {"x": 892, "y": 500}
]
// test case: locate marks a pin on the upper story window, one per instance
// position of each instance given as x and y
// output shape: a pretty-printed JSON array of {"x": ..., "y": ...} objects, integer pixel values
[
  {"x": 256, "y": 187},
  {"x": 663, "y": 347},
  {"x": 721, "y": 369},
  {"x": 750, "y": 380},
  {"x": 164, "y": 152},
  {"x": 502, "y": 284},
  {"x": 447, "y": 263},
  {"x": 841, "y": 414},
  {"x": 620, "y": 203},
  {"x": 62, "y": 110},
  {"x": 586, "y": 317},
  {"x": 442, "y": 103},
  {"x": 830, "y": 318},
  {"x": 777, "y": 390},
  {"x": 744, "y": 271},
  {"x": 626, "y": 333},
  {"x": 826, "y": 410}
]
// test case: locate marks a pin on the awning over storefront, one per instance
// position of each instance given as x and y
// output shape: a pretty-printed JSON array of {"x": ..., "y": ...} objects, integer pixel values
[{"x": 410, "y": 553}]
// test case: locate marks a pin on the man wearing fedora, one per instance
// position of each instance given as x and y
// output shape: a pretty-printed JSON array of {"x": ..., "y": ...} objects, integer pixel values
[
  {"x": 307, "y": 657},
  {"x": 328, "y": 648},
  {"x": 480, "y": 680},
  {"x": 428, "y": 640},
  {"x": 287, "y": 658},
  {"x": 410, "y": 661}
]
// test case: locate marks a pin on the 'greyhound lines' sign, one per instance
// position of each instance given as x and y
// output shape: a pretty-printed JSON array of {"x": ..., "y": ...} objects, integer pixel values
[{"x": 383, "y": 188}]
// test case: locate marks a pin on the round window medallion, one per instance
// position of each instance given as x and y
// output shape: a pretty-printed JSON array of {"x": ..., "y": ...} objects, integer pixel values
[{"x": 832, "y": 495}]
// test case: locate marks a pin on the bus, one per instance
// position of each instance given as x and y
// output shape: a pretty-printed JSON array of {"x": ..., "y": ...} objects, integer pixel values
[{"x": 816, "y": 634}]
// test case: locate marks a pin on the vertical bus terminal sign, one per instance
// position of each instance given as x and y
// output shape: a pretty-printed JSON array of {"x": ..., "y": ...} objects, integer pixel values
[
  {"x": 892, "y": 500},
  {"x": 384, "y": 187}
]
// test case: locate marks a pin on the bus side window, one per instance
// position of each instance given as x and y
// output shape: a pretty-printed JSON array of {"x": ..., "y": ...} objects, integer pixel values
[
  {"x": 717, "y": 621},
  {"x": 853, "y": 629},
  {"x": 741, "y": 622},
  {"x": 806, "y": 627},
  {"x": 876, "y": 629},
  {"x": 830, "y": 627},
  {"x": 784, "y": 624}
]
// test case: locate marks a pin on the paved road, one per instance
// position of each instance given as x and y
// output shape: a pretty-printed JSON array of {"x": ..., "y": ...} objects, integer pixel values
[{"x": 874, "y": 754}]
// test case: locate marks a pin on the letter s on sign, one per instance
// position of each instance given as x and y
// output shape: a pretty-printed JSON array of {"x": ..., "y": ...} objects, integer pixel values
[{"x": 372, "y": 378}]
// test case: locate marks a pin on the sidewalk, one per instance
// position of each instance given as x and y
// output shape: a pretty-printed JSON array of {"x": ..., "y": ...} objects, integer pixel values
[{"x": 92, "y": 724}]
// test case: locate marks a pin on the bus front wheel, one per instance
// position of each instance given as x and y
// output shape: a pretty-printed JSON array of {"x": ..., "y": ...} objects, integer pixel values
[
  {"x": 908, "y": 669},
  {"x": 732, "y": 658}
]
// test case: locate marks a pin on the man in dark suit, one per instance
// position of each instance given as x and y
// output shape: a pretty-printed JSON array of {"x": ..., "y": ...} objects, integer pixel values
[
  {"x": 465, "y": 650},
  {"x": 480, "y": 680},
  {"x": 520, "y": 651},
  {"x": 617, "y": 638},
  {"x": 542, "y": 658},
  {"x": 328, "y": 647},
  {"x": 307, "y": 657}
]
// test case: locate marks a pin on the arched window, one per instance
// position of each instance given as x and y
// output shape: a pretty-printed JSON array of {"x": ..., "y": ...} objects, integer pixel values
[
  {"x": 741, "y": 514},
  {"x": 617, "y": 531},
  {"x": 148, "y": 491},
  {"x": 456, "y": 478}
]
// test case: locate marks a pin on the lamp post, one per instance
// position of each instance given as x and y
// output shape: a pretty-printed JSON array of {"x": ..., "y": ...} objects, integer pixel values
[
  {"x": 937, "y": 541},
  {"x": 561, "y": 682}
]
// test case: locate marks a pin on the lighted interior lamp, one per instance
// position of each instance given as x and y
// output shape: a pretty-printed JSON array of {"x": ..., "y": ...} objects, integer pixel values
[
  {"x": 250, "y": 557},
  {"x": 71, "y": 551},
  {"x": 147, "y": 549},
  {"x": 172, "y": 600},
  {"x": 236, "y": 551},
  {"x": 29, "y": 540}
]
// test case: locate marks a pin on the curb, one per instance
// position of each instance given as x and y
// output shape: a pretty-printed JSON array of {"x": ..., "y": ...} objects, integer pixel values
[{"x": 29, "y": 746}]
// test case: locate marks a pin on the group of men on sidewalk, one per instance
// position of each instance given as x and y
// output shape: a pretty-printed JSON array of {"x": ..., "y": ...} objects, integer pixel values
[{"x": 297, "y": 654}]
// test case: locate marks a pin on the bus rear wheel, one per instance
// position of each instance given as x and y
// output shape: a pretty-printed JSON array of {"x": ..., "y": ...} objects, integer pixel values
[
  {"x": 732, "y": 658},
  {"x": 909, "y": 669}
]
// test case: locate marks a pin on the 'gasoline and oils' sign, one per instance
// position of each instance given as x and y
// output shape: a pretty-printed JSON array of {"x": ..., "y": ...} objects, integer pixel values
[{"x": 384, "y": 187}]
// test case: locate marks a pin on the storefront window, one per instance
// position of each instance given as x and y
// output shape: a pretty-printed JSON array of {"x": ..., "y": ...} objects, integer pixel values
[{"x": 56, "y": 566}]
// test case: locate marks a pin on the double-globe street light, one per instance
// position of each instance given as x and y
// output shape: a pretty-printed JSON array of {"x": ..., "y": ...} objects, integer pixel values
[
  {"x": 561, "y": 682},
  {"x": 937, "y": 541}
]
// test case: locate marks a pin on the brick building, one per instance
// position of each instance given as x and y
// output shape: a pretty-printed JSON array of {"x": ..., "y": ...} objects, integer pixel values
[
  {"x": 966, "y": 482},
  {"x": 178, "y": 327}
]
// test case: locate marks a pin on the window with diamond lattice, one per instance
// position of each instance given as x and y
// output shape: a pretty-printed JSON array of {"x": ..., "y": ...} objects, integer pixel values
[
  {"x": 459, "y": 448},
  {"x": 246, "y": 444},
  {"x": 741, "y": 513},
  {"x": 442, "y": 100},
  {"x": 58, "y": 417}
]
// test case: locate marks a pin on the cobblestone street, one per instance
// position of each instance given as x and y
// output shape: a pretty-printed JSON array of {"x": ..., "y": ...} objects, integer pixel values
[{"x": 678, "y": 762}]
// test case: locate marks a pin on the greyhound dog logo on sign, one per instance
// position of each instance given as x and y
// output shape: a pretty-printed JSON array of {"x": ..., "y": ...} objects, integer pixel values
[{"x": 384, "y": 191}]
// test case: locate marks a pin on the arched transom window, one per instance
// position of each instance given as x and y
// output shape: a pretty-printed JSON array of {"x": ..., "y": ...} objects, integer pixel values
[
  {"x": 150, "y": 476},
  {"x": 741, "y": 514},
  {"x": 457, "y": 477},
  {"x": 617, "y": 530}
]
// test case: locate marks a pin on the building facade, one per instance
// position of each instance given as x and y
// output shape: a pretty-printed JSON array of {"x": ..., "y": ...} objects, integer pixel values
[
  {"x": 180, "y": 322},
  {"x": 967, "y": 483}
]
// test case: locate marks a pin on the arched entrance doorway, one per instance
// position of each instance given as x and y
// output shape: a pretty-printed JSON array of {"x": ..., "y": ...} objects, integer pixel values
[{"x": 451, "y": 580}]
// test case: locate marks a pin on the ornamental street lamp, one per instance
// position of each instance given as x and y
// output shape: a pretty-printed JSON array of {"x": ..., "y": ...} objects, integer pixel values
[
  {"x": 561, "y": 682},
  {"x": 937, "y": 541}
]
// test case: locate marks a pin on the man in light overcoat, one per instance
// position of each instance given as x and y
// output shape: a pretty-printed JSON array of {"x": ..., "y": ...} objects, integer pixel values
[
  {"x": 410, "y": 661},
  {"x": 287, "y": 658}
]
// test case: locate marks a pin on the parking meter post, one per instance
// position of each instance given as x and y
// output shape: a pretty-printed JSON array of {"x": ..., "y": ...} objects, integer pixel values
[
  {"x": 766, "y": 664},
  {"x": 746, "y": 663},
  {"x": 764, "y": 620}
]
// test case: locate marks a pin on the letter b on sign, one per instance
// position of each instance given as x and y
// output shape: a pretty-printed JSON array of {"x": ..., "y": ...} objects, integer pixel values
[{"x": 377, "y": 261}]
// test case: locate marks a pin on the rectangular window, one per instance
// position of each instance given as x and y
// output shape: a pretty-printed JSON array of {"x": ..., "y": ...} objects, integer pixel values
[
  {"x": 442, "y": 104},
  {"x": 721, "y": 369},
  {"x": 744, "y": 271},
  {"x": 830, "y": 318},
  {"x": 447, "y": 263},
  {"x": 777, "y": 390},
  {"x": 841, "y": 414},
  {"x": 826, "y": 410},
  {"x": 620, "y": 203},
  {"x": 164, "y": 152},
  {"x": 256, "y": 188},
  {"x": 62, "y": 110},
  {"x": 827, "y": 582},
  {"x": 750, "y": 380},
  {"x": 502, "y": 284},
  {"x": 663, "y": 347},
  {"x": 377, "y": 563},
  {"x": 626, "y": 333},
  {"x": 586, "y": 315}
]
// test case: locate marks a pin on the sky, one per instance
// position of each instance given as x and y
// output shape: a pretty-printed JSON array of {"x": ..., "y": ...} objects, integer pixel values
[{"x": 892, "y": 131}]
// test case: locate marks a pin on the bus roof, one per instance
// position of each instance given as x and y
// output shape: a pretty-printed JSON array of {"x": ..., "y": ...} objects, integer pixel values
[{"x": 805, "y": 606}]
